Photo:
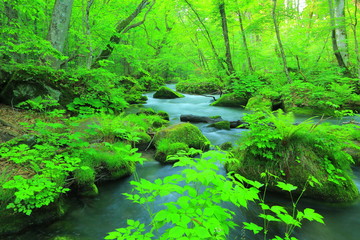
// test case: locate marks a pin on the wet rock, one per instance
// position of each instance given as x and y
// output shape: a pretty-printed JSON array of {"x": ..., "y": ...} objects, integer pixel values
[
  {"x": 167, "y": 93},
  {"x": 185, "y": 133},
  {"x": 230, "y": 100}
]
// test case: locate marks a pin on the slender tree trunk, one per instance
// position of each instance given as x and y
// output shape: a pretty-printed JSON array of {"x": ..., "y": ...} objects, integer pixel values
[
  {"x": 282, "y": 52},
  {"x": 12, "y": 22},
  {"x": 354, "y": 27},
  {"x": 123, "y": 26},
  {"x": 338, "y": 33},
  {"x": 59, "y": 27},
  {"x": 207, "y": 36},
  {"x": 228, "y": 61},
  {"x": 88, "y": 58},
  {"x": 341, "y": 36},
  {"x": 247, "y": 52}
]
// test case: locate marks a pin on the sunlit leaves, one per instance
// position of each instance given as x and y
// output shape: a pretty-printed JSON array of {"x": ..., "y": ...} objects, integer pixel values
[{"x": 252, "y": 227}]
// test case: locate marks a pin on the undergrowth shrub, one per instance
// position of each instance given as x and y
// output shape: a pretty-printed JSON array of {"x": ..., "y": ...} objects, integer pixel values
[
  {"x": 199, "y": 211},
  {"x": 56, "y": 156},
  {"x": 199, "y": 86},
  {"x": 293, "y": 152}
]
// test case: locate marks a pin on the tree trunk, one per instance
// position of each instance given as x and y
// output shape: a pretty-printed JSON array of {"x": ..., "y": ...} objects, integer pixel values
[
  {"x": 123, "y": 26},
  {"x": 207, "y": 36},
  {"x": 338, "y": 32},
  {"x": 282, "y": 52},
  {"x": 228, "y": 61},
  {"x": 247, "y": 52},
  {"x": 354, "y": 25},
  {"x": 11, "y": 22},
  {"x": 88, "y": 58},
  {"x": 59, "y": 27}
]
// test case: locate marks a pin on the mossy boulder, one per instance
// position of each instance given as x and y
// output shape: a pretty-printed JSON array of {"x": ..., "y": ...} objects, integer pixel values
[
  {"x": 221, "y": 125},
  {"x": 230, "y": 100},
  {"x": 296, "y": 166},
  {"x": 167, "y": 93},
  {"x": 259, "y": 103},
  {"x": 184, "y": 133}
]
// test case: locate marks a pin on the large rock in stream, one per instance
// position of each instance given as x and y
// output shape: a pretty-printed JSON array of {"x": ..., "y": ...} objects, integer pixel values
[
  {"x": 177, "y": 137},
  {"x": 298, "y": 165},
  {"x": 230, "y": 100},
  {"x": 167, "y": 93}
]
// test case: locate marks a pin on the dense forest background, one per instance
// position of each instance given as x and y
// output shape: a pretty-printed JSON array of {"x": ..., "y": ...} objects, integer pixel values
[
  {"x": 77, "y": 65},
  {"x": 238, "y": 45}
]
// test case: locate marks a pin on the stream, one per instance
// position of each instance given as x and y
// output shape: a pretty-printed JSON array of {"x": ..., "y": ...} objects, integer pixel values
[{"x": 92, "y": 219}]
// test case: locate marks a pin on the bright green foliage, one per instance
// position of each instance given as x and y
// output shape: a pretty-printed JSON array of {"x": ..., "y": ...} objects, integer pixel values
[
  {"x": 56, "y": 152},
  {"x": 259, "y": 103},
  {"x": 199, "y": 86},
  {"x": 132, "y": 127},
  {"x": 197, "y": 213},
  {"x": 295, "y": 153},
  {"x": 33, "y": 193},
  {"x": 291, "y": 219},
  {"x": 247, "y": 85},
  {"x": 165, "y": 148},
  {"x": 40, "y": 104},
  {"x": 320, "y": 97}
]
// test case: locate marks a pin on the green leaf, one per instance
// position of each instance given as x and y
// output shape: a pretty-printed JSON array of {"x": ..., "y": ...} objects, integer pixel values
[
  {"x": 311, "y": 215},
  {"x": 286, "y": 186},
  {"x": 176, "y": 232},
  {"x": 253, "y": 227}
]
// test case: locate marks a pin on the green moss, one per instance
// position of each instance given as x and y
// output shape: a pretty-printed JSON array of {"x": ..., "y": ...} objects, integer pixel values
[
  {"x": 215, "y": 117},
  {"x": 11, "y": 223},
  {"x": 226, "y": 146},
  {"x": 295, "y": 164},
  {"x": 112, "y": 160},
  {"x": 230, "y": 100},
  {"x": 165, "y": 148},
  {"x": 144, "y": 138},
  {"x": 259, "y": 103},
  {"x": 146, "y": 111},
  {"x": 166, "y": 93},
  {"x": 185, "y": 133},
  {"x": 89, "y": 190},
  {"x": 221, "y": 125},
  {"x": 163, "y": 115},
  {"x": 195, "y": 86},
  {"x": 85, "y": 175}
]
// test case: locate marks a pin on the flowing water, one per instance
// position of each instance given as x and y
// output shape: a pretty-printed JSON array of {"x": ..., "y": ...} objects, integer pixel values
[{"x": 92, "y": 219}]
